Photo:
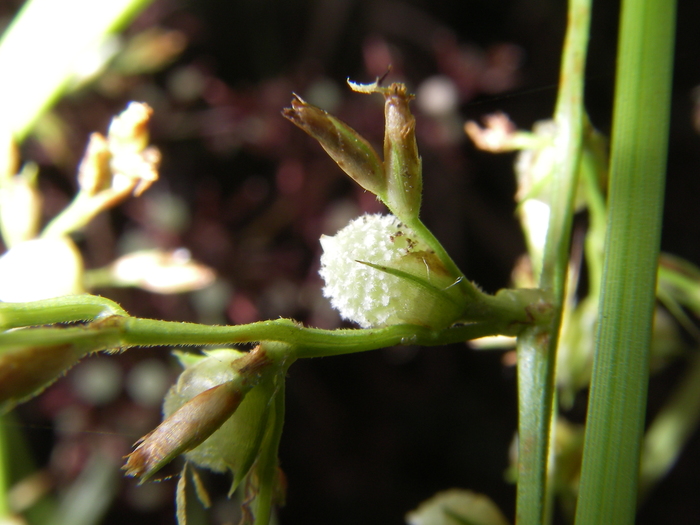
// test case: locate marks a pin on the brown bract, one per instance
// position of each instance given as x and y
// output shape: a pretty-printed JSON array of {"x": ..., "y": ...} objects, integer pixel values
[
  {"x": 189, "y": 426},
  {"x": 344, "y": 145},
  {"x": 27, "y": 371}
]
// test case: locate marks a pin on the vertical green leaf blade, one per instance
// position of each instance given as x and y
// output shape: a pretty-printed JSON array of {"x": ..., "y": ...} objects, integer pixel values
[{"x": 638, "y": 162}]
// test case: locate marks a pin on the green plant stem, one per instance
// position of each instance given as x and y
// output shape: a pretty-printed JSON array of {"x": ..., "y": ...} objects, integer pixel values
[
  {"x": 59, "y": 310},
  {"x": 681, "y": 281},
  {"x": 569, "y": 119},
  {"x": 591, "y": 168},
  {"x": 118, "y": 333},
  {"x": 4, "y": 472},
  {"x": 617, "y": 399},
  {"x": 535, "y": 387},
  {"x": 427, "y": 236},
  {"x": 41, "y": 50},
  {"x": 79, "y": 213},
  {"x": 515, "y": 306},
  {"x": 671, "y": 428},
  {"x": 678, "y": 287},
  {"x": 18, "y": 464},
  {"x": 537, "y": 344},
  {"x": 267, "y": 468}
]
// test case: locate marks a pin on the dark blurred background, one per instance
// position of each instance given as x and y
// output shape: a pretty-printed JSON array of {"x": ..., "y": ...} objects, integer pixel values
[{"x": 369, "y": 436}]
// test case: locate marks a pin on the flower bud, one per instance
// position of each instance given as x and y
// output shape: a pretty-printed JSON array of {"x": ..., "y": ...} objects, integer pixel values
[
  {"x": 41, "y": 269},
  {"x": 150, "y": 51},
  {"x": 216, "y": 415},
  {"x": 128, "y": 131},
  {"x": 378, "y": 272},
  {"x": 94, "y": 174},
  {"x": 185, "y": 428},
  {"x": 402, "y": 164},
  {"x": 26, "y": 371},
  {"x": 112, "y": 169},
  {"x": 457, "y": 506},
  {"x": 401, "y": 160},
  {"x": 158, "y": 271},
  {"x": 134, "y": 164},
  {"x": 346, "y": 147},
  {"x": 20, "y": 205}
]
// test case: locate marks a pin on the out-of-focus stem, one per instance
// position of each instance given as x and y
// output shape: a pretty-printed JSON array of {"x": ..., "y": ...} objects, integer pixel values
[
  {"x": 537, "y": 345},
  {"x": 42, "y": 48}
]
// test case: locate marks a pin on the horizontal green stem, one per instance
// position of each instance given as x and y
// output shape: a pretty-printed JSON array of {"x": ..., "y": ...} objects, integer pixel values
[
  {"x": 118, "y": 332},
  {"x": 60, "y": 310}
]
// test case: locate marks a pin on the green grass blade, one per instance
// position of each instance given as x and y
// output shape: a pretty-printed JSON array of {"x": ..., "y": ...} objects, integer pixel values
[{"x": 615, "y": 421}]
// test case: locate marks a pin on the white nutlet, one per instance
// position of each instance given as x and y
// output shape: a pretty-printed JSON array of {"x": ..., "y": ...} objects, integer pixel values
[{"x": 378, "y": 272}]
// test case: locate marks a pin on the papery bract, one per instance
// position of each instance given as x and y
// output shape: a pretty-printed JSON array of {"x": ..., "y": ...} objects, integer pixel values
[{"x": 236, "y": 444}]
